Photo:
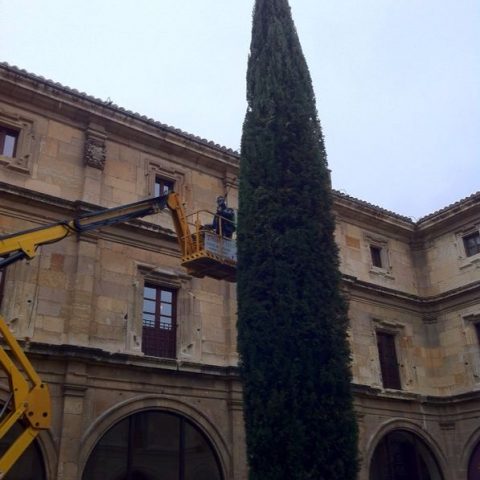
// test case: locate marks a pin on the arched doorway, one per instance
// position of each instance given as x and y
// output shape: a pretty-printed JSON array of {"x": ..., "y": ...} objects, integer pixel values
[
  {"x": 402, "y": 455},
  {"x": 150, "y": 445},
  {"x": 474, "y": 464},
  {"x": 30, "y": 465}
]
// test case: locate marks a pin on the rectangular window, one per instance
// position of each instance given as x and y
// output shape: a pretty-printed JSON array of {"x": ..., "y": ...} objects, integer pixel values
[
  {"x": 8, "y": 141},
  {"x": 477, "y": 329},
  {"x": 376, "y": 254},
  {"x": 388, "y": 360},
  {"x": 471, "y": 243},
  {"x": 162, "y": 186},
  {"x": 159, "y": 322}
]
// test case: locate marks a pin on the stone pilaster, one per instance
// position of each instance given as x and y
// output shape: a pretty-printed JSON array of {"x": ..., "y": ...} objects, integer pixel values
[
  {"x": 74, "y": 390},
  {"x": 82, "y": 301},
  {"x": 239, "y": 459}
]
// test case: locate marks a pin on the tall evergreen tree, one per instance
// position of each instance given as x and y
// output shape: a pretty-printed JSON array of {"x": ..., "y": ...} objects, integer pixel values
[{"x": 295, "y": 359}]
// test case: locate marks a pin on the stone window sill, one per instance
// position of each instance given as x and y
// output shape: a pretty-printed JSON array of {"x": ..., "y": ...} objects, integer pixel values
[
  {"x": 18, "y": 164},
  {"x": 381, "y": 272}
]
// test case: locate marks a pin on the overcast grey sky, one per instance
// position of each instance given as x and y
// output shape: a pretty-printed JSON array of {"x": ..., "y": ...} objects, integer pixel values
[{"x": 397, "y": 81}]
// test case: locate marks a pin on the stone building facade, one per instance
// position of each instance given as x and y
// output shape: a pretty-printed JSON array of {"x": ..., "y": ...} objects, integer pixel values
[{"x": 83, "y": 307}]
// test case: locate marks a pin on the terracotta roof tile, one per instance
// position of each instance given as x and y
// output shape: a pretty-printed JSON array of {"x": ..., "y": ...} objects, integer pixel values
[
  {"x": 373, "y": 207},
  {"x": 472, "y": 197},
  {"x": 113, "y": 106}
]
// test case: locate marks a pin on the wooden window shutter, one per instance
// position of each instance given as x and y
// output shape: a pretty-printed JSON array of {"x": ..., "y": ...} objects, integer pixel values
[{"x": 388, "y": 360}]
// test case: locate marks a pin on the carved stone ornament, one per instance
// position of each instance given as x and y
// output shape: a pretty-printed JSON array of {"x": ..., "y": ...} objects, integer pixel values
[{"x": 95, "y": 151}]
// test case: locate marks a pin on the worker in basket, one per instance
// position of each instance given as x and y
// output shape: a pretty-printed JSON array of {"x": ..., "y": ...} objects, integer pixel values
[{"x": 224, "y": 219}]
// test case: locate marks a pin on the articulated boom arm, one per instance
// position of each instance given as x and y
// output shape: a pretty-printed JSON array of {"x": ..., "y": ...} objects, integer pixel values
[
  {"x": 180, "y": 223},
  {"x": 29, "y": 398},
  {"x": 204, "y": 253},
  {"x": 24, "y": 244}
]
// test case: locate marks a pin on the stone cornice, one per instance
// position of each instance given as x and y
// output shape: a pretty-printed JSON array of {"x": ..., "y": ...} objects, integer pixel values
[
  {"x": 451, "y": 210},
  {"x": 361, "y": 212},
  {"x": 427, "y": 303},
  {"x": 342, "y": 198},
  {"x": 455, "y": 217},
  {"x": 97, "y": 356},
  {"x": 49, "y": 94},
  {"x": 366, "y": 215},
  {"x": 411, "y": 397}
]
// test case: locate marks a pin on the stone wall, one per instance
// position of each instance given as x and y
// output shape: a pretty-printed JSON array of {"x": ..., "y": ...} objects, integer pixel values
[{"x": 77, "y": 306}]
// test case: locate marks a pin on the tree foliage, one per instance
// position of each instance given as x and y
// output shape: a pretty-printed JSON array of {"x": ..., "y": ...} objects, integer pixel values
[{"x": 295, "y": 358}]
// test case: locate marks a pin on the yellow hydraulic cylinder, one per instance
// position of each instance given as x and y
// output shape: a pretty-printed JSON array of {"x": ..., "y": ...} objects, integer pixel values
[{"x": 30, "y": 399}]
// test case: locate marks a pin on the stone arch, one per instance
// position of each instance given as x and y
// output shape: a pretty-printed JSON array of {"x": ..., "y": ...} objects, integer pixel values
[
  {"x": 393, "y": 425},
  {"x": 45, "y": 442},
  {"x": 472, "y": 443},
  {"x": 141, "y": 403},
  {"x": 48, "y": 450}
]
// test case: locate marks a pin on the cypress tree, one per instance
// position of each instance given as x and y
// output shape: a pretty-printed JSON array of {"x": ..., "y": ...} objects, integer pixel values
[{"x": 292, "y": 318}]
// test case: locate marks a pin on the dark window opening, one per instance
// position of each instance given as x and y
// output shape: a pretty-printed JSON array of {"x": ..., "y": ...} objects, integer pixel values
[
  {"x": 401, "y": 455},
  {"x": 376, "y": 254},
  {"x": 8, "y": 141},
  {"x": 152, "y": 445},
  {"x": 162, "y": 186},
  {"x": 159, "y": 322},
  {"x": 472, "y": 244},
  {"x": 388, "y": 360},
  {"x": 477, "y": 329},
  {"x": 30, "y": 465},
  {"x": 474, "y": 464}
]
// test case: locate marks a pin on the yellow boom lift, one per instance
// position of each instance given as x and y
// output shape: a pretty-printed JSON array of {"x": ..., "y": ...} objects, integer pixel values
[{"x": 205, "y": 252}]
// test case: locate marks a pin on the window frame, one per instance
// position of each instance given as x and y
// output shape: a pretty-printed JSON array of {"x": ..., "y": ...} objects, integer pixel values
[
  {"x": 376, "y": 256},
  {"x": 476, "y": 235},
  {"x": 12, "y": 132},
  {"x": 389, "y": 372},
  {"x": 24, "y": 153},
  {"x": 162, "y": 182},
  {"x": 464, "y": 259},
  {"x": 381, "y": 245},
  {"x": 161, "y": 169},
  {"x": 136, "y": 430},
  {"x": 158, "y": 341}
]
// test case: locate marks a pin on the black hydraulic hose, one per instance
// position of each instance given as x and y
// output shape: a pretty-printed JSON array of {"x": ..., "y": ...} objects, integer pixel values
[{"x": 14, "y": 257}]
